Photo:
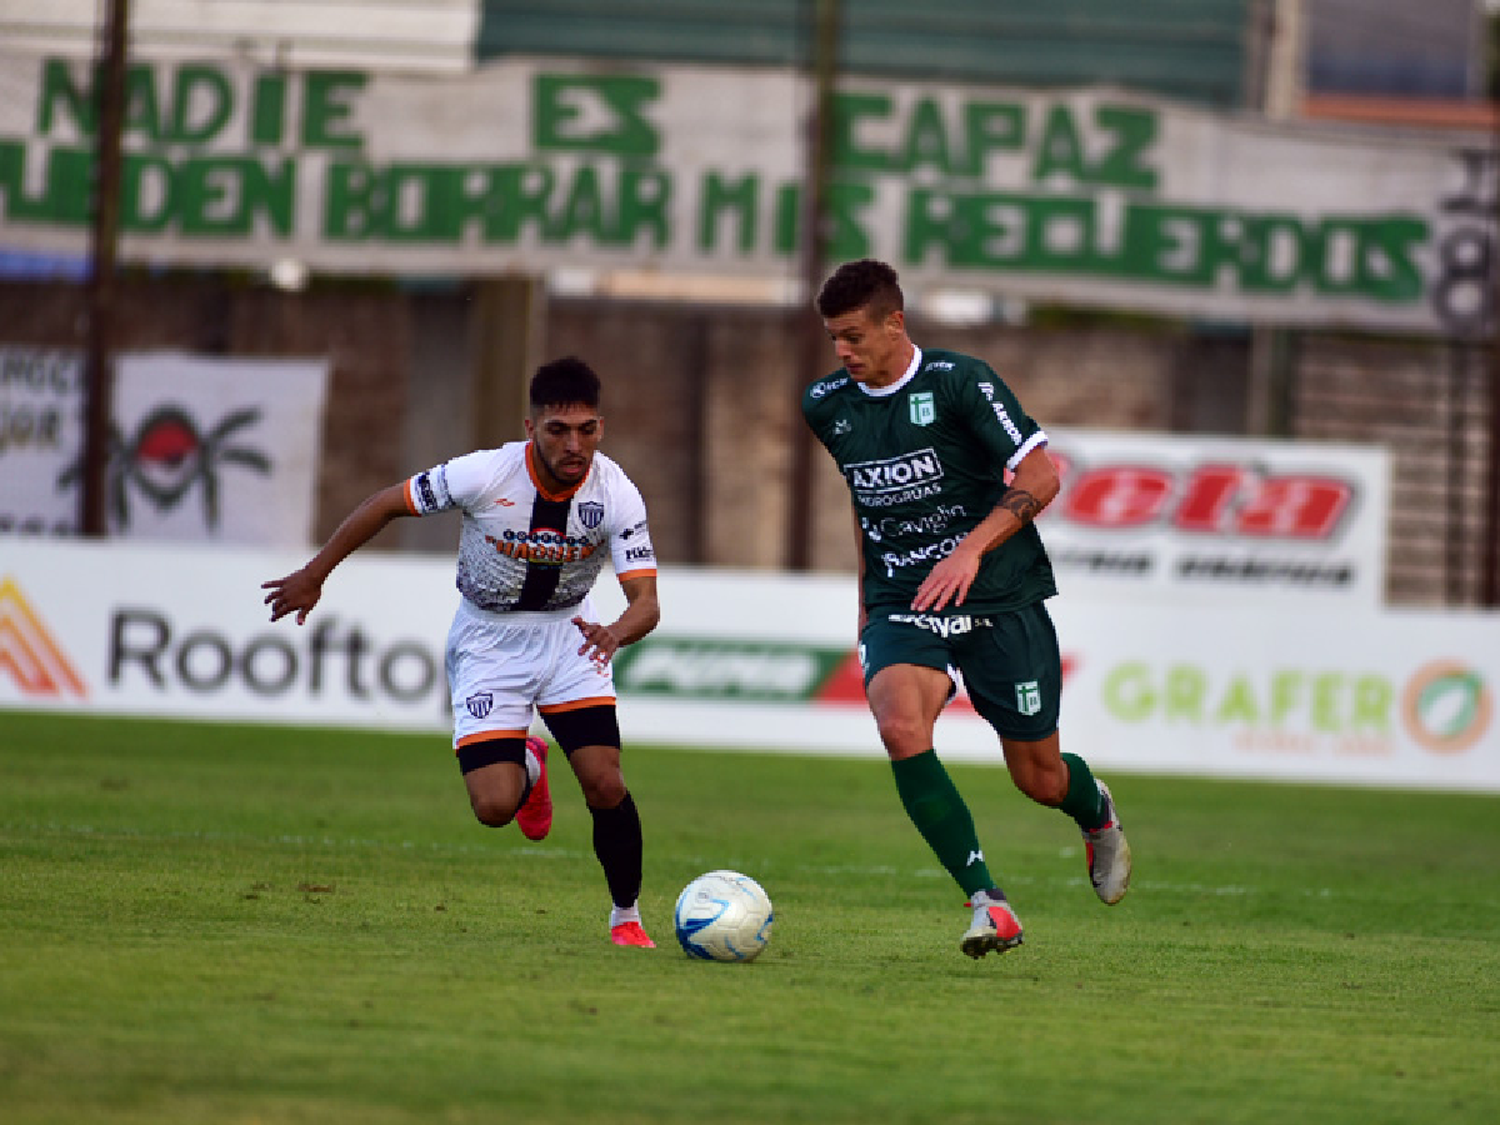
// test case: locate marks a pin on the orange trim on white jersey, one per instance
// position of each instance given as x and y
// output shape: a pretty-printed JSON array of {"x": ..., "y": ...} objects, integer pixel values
[
  {"x": 577, "y": 704},
  {"x": 537, "y": 480},
  {"x": 644, "y": 572},
  {"x": 406, "y": 494},
  {"x": 481, "y": 736}
]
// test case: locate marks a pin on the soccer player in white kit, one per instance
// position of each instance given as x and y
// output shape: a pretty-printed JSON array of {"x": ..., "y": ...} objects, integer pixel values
[{"x": 539, "y": 519}]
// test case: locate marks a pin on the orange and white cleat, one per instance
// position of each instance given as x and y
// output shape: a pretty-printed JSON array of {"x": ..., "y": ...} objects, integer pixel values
[
  {"x": 630, "y": 933},
  {"x": 535, "y": 814}
]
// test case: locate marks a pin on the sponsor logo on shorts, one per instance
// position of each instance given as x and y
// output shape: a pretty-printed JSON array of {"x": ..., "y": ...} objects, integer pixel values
[
  {"x": 480, "y": 703},
  {"x": 954, "y": 626}
]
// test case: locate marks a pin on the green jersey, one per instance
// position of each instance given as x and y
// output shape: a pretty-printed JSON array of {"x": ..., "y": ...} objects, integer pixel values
[{"x": 924, "y": 460}]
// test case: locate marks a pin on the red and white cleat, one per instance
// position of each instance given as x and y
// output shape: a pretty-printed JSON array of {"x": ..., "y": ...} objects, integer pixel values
[
  {"x": 535, "y": 814},
  {"x": 995, "y": 928},
  {"x": 630, "y": 933}
]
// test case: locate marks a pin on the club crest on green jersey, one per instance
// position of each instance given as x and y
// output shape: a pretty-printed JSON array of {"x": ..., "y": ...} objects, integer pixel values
[{"x": 923, "y": 408}]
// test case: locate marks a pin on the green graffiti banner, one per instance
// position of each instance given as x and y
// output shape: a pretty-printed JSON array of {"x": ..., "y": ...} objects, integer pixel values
[{"x": 1087, "y": 197}]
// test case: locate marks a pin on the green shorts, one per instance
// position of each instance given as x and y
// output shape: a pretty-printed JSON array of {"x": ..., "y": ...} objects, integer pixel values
[{"x": 1010, "y": 662}]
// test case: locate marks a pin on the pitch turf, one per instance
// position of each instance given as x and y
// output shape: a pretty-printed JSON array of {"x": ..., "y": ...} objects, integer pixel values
[{"x": 252, "y": 924}]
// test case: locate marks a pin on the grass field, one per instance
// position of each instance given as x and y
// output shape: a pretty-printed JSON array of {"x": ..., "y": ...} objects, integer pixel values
[{"x": 204, "y": 924}]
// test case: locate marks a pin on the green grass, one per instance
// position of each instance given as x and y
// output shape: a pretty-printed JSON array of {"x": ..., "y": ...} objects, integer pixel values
[{"x": 215, "y": 924}]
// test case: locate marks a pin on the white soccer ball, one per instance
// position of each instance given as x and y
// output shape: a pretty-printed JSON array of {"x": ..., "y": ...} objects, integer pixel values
[{"x": 723, "y": 916}]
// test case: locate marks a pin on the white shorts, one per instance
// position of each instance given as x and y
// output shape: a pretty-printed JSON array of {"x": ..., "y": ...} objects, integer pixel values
[{"x": 501, "y": 665}]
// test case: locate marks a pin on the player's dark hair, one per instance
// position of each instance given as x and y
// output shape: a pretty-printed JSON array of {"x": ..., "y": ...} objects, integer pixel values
[
  {"x": 565, "y": 382},
  {"x": 865, "y": 284}
]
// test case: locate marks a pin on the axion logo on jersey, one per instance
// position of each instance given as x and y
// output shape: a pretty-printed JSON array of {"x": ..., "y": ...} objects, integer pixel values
[
  {"x": 1011, "y": 430},
  {"x": 28, "y": 651},
  {"x": 894, "y": 476}
]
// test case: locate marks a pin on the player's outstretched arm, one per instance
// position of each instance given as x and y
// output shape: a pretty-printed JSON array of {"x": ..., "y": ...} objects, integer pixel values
[
  {"x": 642, "y": 612},
  {"x": 299, "y": 591}
]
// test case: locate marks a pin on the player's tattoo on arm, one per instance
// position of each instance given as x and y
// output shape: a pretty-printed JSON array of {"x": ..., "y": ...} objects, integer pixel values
[{"x": 1021, "y": 504}]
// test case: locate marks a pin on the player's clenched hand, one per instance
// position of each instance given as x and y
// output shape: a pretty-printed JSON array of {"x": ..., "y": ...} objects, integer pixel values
[
  {"x": 297, "y": 593},
  {"x": 599, "y": 641},
  {"x": 947, "y": 582}
]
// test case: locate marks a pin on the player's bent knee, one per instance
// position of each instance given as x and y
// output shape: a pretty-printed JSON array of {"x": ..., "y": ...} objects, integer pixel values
[
  {"x": 604, "y": 792},
  {"x": 1043, "y": 787},
  {"x": 492, "y": 813},
  {"x": 494, "y": 771},
  {"x": 903, "y": 737}
]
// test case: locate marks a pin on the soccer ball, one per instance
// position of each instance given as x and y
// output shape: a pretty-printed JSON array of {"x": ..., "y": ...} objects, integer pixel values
[{"x": 723, "y": 916}]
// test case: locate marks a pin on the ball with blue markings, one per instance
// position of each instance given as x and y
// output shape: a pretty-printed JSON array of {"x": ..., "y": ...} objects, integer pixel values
[{"x": 723, "y": 916}]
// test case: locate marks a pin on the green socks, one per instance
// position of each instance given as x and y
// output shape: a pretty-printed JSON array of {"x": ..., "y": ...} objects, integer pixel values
[
  {"x": 1084, "y": 803},
  {"x": 936, "y": 808}
]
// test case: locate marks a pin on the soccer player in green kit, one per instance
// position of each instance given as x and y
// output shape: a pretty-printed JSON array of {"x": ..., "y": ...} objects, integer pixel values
[{"x": 953, "y": 579}]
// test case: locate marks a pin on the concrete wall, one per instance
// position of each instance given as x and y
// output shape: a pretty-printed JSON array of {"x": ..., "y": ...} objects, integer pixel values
[{"x": 701, "y": 403}]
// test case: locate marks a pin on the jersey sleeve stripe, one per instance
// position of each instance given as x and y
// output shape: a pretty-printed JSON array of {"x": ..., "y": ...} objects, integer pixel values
[
  {"x": 1037, "y": 439},
  {"x": 643, "y": 572},
  {"x": 411, "y": 501}
]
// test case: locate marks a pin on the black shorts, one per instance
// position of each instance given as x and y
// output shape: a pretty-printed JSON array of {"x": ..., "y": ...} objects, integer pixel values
[{"x": 1010, "y": 662}]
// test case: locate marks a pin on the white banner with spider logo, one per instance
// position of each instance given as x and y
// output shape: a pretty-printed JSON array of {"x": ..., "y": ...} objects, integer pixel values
[{"x": 200, "y": 448}]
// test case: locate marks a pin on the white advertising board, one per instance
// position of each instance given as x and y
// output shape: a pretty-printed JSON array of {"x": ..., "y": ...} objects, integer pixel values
[
  {"x": 1218, "y": 519},
  {"x": 762, "y": 661}
]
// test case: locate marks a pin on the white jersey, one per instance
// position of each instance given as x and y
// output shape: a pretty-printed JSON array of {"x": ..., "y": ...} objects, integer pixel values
[{"x": 523, "y": 548}]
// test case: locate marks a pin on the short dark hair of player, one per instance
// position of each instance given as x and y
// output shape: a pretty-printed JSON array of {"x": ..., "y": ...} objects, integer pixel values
[
  {"x": 565, "y": 382},
  {"x": 865, "y": 284}
]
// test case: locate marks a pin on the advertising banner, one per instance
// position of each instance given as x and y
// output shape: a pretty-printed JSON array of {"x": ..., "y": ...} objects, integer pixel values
[
  {"x": 752, "y": 660},
  {"x": 41, "y": 439},
  {"x": 1216, "y": 519},
  {"x": 201, "y": 448},
  {"x": 1091, "y": 196}
]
